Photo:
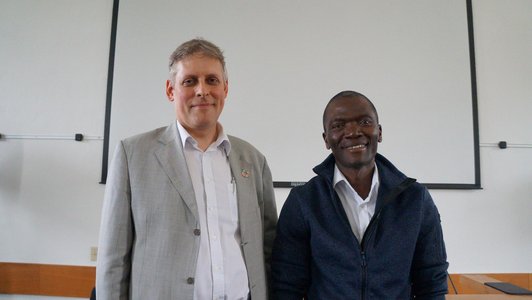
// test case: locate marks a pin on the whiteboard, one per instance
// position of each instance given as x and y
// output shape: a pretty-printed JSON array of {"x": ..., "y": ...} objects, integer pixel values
[{"x": 286, "y": 59}]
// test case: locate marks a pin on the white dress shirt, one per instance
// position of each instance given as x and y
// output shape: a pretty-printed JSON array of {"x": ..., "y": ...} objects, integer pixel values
[
  {"x": 220, "y": 272},
  {"x": 359, "y": 211}
]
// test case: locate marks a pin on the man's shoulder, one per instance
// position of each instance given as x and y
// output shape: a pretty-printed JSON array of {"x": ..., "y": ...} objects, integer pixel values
[
  {"x": 243, "y": 147},
  {"x": 313, "y": 188},
  {"x": 417, "y": 196},
  {"x": 145, "y": 137}
]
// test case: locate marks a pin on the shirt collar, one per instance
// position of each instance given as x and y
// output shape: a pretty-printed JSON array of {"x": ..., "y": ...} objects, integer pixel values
[
  {"x": 222, "y": 142},
  {"x": 339, "y": 177}
]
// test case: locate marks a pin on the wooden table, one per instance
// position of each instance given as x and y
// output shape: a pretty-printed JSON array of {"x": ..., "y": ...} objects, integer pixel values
[{"x": 486, "y": 297}]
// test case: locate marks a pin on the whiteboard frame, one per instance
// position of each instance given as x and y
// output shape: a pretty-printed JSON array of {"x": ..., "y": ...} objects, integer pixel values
[{"x": 290, "y": 184}]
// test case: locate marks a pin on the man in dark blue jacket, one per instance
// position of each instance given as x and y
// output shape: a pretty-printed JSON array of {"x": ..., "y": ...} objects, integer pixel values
[{"x": 360, "y": 229}]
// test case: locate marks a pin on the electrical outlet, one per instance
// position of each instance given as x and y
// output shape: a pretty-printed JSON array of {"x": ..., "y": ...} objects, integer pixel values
[{"x": 94, "y": 253}]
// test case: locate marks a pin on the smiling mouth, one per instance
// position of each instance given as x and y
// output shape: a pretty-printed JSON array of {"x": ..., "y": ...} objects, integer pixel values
[
  {"x": 200, "y": 105},
  {"x": 356, "y": 147}
]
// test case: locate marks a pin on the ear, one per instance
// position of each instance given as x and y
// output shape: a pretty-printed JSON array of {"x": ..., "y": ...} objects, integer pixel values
[
  {"x": 226, "y": 88},
  {"x": 169, "y": 90},
  {"x": 325, "y": 140},
  {"x": 380, "y": 133}
]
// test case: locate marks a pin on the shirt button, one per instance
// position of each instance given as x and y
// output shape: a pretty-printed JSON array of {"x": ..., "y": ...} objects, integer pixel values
[
  {"x": 190, "y": 280},
  {"x": 197, "y": 232}
]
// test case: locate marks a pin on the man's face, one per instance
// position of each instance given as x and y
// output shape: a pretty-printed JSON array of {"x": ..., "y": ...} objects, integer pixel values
[
  {"x": 352, "y": 132},
  {"x": 198, "y": 92}
]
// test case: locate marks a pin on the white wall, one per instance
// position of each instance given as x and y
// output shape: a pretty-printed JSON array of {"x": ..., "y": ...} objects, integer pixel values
[
  {"x": 490, "y": 230},
  {"x": 50, "y": 198}
]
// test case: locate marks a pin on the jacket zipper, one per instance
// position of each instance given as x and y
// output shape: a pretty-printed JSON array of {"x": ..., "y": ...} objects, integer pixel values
[
  {"x": 364, "y": 276},
  {"x": 369, "y": 231},
  {"x": 367, "y": 234}
]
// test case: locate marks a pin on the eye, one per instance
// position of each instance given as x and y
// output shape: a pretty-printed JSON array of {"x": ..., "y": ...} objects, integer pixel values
[
  {"x": 337, "y": 125},
  {"x": 189, "y": 82},
  {"x": 366, "y": 122},
  {"x": 213, "y": 81}
]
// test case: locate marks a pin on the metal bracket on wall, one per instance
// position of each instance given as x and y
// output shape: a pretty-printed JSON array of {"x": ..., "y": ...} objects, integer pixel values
[
  {"x": 505, "y": 145},
  {"x": 76, "y": 137}
]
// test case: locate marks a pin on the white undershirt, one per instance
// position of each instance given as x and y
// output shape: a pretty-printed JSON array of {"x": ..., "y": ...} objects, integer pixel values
[
  {"x": 359, "y": 211},
  {"x": 220, "y": 272}
]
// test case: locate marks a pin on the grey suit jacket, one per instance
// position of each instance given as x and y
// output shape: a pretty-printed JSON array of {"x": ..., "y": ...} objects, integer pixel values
[{"x": 149, "y": 230}]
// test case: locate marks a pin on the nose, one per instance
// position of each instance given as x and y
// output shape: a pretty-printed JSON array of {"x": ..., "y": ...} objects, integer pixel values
[
  {"x": 352, "y": 129},
  {"x": 202, "y": 90}
]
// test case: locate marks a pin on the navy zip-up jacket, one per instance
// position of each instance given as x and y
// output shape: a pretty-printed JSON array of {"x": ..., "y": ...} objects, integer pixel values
[{"x": 401, "y": 256}]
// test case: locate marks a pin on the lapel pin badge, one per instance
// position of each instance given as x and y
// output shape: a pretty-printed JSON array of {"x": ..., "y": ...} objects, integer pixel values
[{"x": 245, "y": 173}]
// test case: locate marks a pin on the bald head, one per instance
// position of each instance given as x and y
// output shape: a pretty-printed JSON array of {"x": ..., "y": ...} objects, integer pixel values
[{"x": 349, "y": 95}]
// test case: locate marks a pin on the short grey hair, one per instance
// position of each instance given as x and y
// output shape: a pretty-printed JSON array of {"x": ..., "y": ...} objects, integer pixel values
[{"x": 195, "y": 46}]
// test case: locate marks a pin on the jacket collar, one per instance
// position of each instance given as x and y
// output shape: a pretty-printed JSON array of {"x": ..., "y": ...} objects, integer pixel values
[
  {"x": 172, "y": 160},
  {"x": 390, "y": 177}
]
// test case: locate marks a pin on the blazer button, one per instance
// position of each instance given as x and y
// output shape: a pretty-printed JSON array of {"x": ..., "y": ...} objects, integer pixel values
[
  {"x": 190, "y": 280},
  {"x": 197, "y": 232}
]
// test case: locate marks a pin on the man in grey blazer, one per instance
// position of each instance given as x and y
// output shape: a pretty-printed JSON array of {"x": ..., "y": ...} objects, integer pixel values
[{"x": 189, "y": 212}]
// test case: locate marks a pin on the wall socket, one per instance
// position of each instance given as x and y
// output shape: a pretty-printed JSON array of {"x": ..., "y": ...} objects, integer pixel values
[{"x": 94, "y": 253}]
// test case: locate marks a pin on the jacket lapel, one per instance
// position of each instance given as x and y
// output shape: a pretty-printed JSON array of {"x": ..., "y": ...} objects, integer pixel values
[
  {"x": 172, "y": 160},
  {"x": 242, "y": 173}
]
